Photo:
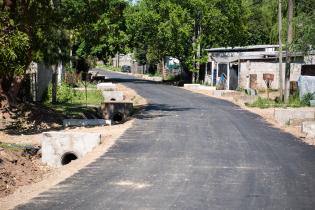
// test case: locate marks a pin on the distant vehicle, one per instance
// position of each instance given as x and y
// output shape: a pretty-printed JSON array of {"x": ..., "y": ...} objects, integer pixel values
[{"x": 126, "y": 68}]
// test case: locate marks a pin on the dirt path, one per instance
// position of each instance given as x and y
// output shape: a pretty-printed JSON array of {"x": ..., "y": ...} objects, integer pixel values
[{"x": 35, "y": 177}]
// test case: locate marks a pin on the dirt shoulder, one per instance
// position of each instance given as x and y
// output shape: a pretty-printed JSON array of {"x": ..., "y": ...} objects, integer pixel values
[
  {"x": 267, "y": 114},
  {"x": 23, "y": 177}
]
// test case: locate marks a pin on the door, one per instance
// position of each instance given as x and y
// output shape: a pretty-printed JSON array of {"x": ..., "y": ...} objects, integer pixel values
[
  {"x": 234, "y": 77},
  {"x": 253, "y": 81}
]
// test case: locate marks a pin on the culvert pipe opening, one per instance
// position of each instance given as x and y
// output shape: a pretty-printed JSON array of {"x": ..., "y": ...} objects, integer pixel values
[
  {"x": 118, "y": 117},
  {"x": 68, "y": 157}
]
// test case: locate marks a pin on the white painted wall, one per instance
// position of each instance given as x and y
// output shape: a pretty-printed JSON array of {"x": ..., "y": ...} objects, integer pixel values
[
  {"x": 310, "y": 59},
  {"x": 260, "y": 68},
  {"x": 44, "y": 77},
  {"x": 123, "y": 60}
]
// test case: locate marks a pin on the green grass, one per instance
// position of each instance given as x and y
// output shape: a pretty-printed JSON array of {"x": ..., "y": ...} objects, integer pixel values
[
  {"x": 294, "y": 101},
  {"x": 74, "y": 110},
  {"x": 109, "y": 67},
  {"x": 89, "y": 85},
  {"x": 12, "y": 147},
  {"x": 155, "y": 74},
  {"x": 94, "y": 97},
  {"x": 73, "y": 102},
  {"x": 265, "y": 103}
]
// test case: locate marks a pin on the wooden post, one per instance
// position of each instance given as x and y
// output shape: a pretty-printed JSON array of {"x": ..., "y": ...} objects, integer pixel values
[
  {"x": 288, "y": 51},
  {"x": 54, "y": 85},
  {"x": 280, "y": 49}
]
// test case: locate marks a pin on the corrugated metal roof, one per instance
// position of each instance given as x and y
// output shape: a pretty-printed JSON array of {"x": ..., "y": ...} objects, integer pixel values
[{"x": 253, "y": 47}]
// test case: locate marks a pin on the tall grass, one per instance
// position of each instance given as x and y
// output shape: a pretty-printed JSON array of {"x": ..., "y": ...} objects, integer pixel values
[{"x": 294, "y": 101}]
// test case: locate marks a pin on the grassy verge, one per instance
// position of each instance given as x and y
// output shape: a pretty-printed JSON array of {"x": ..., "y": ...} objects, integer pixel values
[
  {"x": 74, "y": 103},
  {"x": 294, "y": 101},
  {"x": 109, "y": 67},
  {"x": 12, "y": 147}
]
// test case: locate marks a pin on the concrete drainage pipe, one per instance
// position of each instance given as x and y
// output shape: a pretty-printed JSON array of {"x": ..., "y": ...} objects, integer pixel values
[
  {"x": 68, "y": 157},
  {"x": 118, "y": 117}
]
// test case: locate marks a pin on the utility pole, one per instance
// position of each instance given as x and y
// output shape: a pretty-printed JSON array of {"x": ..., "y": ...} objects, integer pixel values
[
  {"x": 280, "y": 50},
  {"x": 195, "y": 54},
  {"x": 197, "y": 41},
  {"x": 288, "y": 51}
]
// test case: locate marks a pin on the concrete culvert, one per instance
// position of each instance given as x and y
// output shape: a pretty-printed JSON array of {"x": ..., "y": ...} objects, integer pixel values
[
  {"x": 118, "y": 117},
  {"x": 112, "y": 99},
  {"x": 68, "y": 157}
]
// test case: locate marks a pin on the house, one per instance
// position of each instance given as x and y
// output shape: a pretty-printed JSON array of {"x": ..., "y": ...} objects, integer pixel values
[
  {"x": 122, "y": 60},
  {"x": 244, "y": 67}
]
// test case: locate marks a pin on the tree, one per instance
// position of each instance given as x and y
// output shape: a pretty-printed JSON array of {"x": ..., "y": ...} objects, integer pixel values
[
  {"x": 182, "y": 28},
  {"x": 45, "y": 30},
  {"x": 99, "y": 26},
  {"x": 40, "y": 23},
  {"x": 14, "y": 45}
]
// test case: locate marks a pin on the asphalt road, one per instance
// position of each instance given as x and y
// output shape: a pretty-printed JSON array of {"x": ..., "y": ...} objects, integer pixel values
[{"x": 188, "y": 151}]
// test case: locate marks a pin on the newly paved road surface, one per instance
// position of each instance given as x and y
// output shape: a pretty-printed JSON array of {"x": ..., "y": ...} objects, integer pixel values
[{"x": 188, "y": 151}]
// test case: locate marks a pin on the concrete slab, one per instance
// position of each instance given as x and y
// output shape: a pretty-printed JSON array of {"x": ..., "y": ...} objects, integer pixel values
[
  {"x": 85, "y": 122},
  {"x": 108, "y": 86},
  {"x": 192, "y": 86},
  {"x": 113, "y": 95},
  {"x": 283, "y": 116},
  {"x": 155, "y": 78},
  {"x": 210, "y": 88},
  {"x": 117, "y": 112},
  {"x": 309, "y": 128},
  {"x": 299, "y": 122},
  {"x": 58, "y": 148}
]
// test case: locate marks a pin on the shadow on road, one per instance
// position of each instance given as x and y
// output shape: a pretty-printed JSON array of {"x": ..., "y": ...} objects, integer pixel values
[
  {"x": 137, "y": 81},
  {"x": 152, "y": 111}
]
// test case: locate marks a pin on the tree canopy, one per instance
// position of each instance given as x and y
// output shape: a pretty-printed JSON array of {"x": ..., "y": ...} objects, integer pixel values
[{"x": 46, "y": 30}]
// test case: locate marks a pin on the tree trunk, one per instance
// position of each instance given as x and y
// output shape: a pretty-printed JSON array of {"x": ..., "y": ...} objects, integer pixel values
[
  {"x": 280, "y": 50},
  {"x": 54, "y": 86},
  {"x": 288, "y": 51},
  {"x": 10, "y": 90},
  {"x": 187, "y": 75}
]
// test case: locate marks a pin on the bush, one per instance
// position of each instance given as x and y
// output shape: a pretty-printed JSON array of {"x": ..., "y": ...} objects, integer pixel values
[
  {"x": 64, "y": 93},
  {"x": 173, "y": 77},
  {"x": 263, "y": 103},
  {"x": 306, "y": 99}
]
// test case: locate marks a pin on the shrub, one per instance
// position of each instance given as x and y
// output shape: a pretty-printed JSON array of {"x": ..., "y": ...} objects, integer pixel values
[
  {"x": 64, "y": 93},
  {"x": 263, "y": 103},
  {"x": 307, "y": 98}
]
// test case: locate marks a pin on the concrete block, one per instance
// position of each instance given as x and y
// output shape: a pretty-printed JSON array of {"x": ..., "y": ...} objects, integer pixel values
[
  {"x": 312, "y": 103},
  {"x": 192, "y": 86},
  {"x": 309, "y": 128},
  {"x": 251, "y": 92},
  {"x": 283, "y": 116},
  {"x": 85, "y": 122},
  {"x": 298, "y": 122},
  {"x": 218, "y": 93},
  {"x": 60, "y": 148},
  {"x": 108, "y": 86},
  {"x": 117, "y": 112},
  {"x": 210, "y": 88},
  {"x": 113, "y": 95},
  {"x": 157, "y": 79}
]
